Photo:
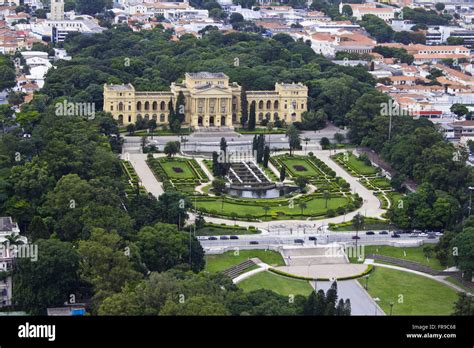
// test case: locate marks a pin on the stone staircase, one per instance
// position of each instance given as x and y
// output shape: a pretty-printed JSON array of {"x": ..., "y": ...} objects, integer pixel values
[
  {"x": 236, "y": 270},
  {"x": 248, "y": 174}
]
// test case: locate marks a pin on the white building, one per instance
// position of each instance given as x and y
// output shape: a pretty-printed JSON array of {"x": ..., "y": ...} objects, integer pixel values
[
  {"x": 7, "y": 228},
  {"x": 57, "y": 10}
]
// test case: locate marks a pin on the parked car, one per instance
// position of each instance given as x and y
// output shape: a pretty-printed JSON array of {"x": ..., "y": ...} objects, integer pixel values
[
  {"x": 414, "y": 235},
  {"x": 299, "y": 241},
  {"x": 253, "y": 242},
  {"x": 383, "y": 232},
  {"x": 355, "y": 237},
  {"x": 423, "y": 234},
  {"x": 223, "y": 237},
  {"x": 370, "y": 233},
  {"x": 212, "y": 238},
  {"x": 234, "y": 237},
  {"x": 438, "y": 234},
  {"x": 312, "y": 238},
  {"x": 395, "y": 235}
]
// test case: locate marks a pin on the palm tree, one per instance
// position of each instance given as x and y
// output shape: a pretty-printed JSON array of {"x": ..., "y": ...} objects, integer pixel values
[
  {"x": 306, "y": 141},
  {"x": 326, "y": 196},
  {"x": 302, "y": 206},
  {"x": 358, "y": 223}
]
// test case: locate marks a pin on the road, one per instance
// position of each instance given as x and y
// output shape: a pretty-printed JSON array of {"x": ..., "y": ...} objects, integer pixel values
[
  {"x": 209, "y": 142},
  {"x": 361, "y": 302},
  {"x": 285, "y": 238}
]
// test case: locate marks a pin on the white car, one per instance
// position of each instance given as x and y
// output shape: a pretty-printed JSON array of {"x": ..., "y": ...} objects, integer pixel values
[{"x": 423, "y": 235}]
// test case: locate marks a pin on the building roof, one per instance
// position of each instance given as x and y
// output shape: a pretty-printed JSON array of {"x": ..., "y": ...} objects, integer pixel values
[{"x": 207, "y": 75}]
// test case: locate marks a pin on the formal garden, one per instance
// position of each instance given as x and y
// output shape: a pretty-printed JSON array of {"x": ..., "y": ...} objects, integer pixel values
[
  {"x": 177, "y": 173},
  {"x": 331, "y": 197},
  {"x": 131, "y": 180},
  {"x": 369, "y": 176}
]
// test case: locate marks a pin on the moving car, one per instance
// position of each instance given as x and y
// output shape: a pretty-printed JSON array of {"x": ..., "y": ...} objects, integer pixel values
[
  {"x": 383, "y": 232},
  {"x": 212, "y": 238},
  {"x": 234, "y": 237},
  {"x": 253, "y": 242},
  {"x": 395, "y": 235},
  {"x": 223, "y": 237},
  {"x": 312, "y": 238},
  {"x": 370, "y": 233},
  {"x": 299, "y": 241},
  {"x": 355, "y": 237}
]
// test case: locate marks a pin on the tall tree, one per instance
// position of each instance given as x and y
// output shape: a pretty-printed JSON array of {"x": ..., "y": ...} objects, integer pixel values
[
  {"x": 252, "y": 117},
  {"x": 294, "y": 140},
  {"x": 243, "y": 100}
]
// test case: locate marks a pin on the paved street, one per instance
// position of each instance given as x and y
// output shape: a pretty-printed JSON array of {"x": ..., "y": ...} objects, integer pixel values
[{"x": 361, "y": 302}]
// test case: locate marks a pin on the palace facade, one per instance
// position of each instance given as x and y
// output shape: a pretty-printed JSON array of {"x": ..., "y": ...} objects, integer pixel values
[{"x": 210, "y": 101}]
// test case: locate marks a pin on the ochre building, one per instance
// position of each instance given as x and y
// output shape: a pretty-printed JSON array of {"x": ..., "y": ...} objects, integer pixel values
[{"x": 210, "y": 101}]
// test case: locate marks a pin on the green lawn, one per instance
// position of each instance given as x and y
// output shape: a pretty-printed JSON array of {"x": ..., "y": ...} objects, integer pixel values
[
  {"x": 418, "y": 295},
  {"x": 172, "y": 168},
  {"x": 412, "y": 254},
  {"x": 458, "y": 283},
  {"x": 315, "y": 207},
  {"x": 354, "y": 163},
  {"x": 292, "y": 163},
  {"x": 281, "y": 285},
  {"x": 220, "y": 262}
]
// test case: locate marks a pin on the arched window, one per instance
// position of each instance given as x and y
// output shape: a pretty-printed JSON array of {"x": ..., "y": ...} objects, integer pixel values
[
  {"x": 147, "y": 106},
  {"x": 162, "y": 106},
  {"x": 275, "y": 116},
  {"x": 155, "y": 106},
  {"x": 120, "y": 107},
  {"x": 120, "y": 119},
  {"x": 147, "y": 117},
  {"x": 162, "y": 117},
  {"x": 269, "y": 104},
  {"x": 260, "y": 105},
  {"x": 276, "y": 105},
  {"x": 139, "y": 117},
  {"x": 260, "y": 116},
  {"x": 155, "y": 117},
  {"x": 139, "y": 106},
  {"x": 268, "y": 116}
]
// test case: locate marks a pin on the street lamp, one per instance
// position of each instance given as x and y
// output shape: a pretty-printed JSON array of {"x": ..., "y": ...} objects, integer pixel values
[
  {"x": 470, "y": 199},
  {"x": 376, "y": 299},
  {"x": 367, "y": 282},
  {"x": 391, "y": 307}
]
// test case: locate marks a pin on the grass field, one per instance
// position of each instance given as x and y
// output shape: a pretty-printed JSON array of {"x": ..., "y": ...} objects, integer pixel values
[
  {"x": 412, "y": 254},
  {"x": 178, "y": 170},
  {"x": 315, "y": 207},
  {"x": 418, "y": 295},
  {"x": 220, "y": 262},
  {"x": 353, "y": 162},
  {"x": 281, "y": 285}
]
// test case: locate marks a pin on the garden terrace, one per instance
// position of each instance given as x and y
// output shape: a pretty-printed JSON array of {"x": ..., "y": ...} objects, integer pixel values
[
  {"x": 315, "y": 170},
  {"x": 276, "y": 209},
  {"x": 354, "y": 165},
  {"x": 130, "y": 179},
  {"x": 370, "y": 177},
  {"x": 245, "y": 174},
  {"x": 178, "y": 173}
]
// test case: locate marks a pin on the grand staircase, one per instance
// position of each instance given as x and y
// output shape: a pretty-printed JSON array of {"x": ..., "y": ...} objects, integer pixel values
[
  {"x": 248, "y": 174},
  {"x": 235, "y": 271}
]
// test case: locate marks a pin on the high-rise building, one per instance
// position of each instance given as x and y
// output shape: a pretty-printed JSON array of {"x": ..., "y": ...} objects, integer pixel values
[{"x": 57, "y": 10}]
